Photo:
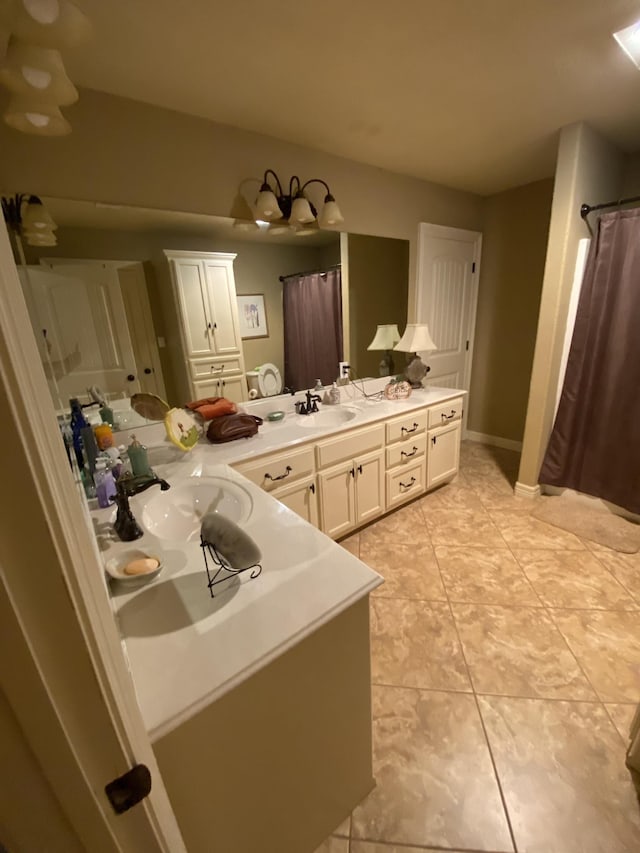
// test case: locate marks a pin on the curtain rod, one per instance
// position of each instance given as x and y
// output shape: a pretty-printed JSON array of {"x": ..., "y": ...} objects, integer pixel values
[
  {"x": 585, "y": 209},
  {"x": 311, "y": 272}
]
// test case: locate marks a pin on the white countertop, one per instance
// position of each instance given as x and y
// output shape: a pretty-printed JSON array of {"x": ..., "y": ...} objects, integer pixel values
[{"x": 186, "y": 649}]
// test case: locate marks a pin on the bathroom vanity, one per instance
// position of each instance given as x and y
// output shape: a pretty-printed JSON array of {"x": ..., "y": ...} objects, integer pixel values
[{"x": 258, "y": 700}]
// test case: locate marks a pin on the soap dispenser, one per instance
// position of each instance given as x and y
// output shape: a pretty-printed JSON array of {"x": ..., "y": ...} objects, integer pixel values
[
  {"x": 334, "y": 394},
  {"x": 137, "y": 453}
]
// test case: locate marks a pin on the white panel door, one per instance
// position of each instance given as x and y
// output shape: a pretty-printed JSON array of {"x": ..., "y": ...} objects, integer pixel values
[
  {"x": 80, "y": 323},
  {"x": 448, "y": 271},
  {"x": 224, "y": 310}
]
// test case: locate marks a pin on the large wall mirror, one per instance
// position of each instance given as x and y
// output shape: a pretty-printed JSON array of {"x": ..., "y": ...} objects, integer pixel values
[{"x": 103, "y": 309}]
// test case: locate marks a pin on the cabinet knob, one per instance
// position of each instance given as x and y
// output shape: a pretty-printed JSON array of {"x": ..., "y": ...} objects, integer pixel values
[
  {"x": 312, "y": 488},
  {"x": 148, "y": 370},
  {"x": 131, "y": 377},
  {"x": 352, "y": 471}
]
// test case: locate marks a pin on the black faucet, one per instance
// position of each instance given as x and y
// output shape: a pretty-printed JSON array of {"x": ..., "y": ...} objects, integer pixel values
[{"x": 125, "y": 524}]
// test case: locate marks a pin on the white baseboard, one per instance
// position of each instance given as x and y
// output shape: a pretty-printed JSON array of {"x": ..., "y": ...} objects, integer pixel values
[
  {"x": 493, "y": 440},
  {"x": 521, "y": 490}
]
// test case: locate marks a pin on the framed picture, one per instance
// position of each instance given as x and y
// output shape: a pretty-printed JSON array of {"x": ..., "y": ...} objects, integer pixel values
[{"x": 252, "y": 315}]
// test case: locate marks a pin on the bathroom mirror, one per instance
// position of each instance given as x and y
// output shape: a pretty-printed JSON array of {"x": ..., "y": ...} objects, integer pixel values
[{"x": 105, "y": 252}]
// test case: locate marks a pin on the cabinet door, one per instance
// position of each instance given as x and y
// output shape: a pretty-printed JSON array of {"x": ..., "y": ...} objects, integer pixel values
[
  {"x": 191, "y": 291},
  {"x": 233, "y": 388},
  {"x": 443, "y": 454},
  {"x": 224, "y": 311},
  {"x": 337, "y": 499},
  {"x": 301, "y": 497},
  {"x": 369, "y": 482}
]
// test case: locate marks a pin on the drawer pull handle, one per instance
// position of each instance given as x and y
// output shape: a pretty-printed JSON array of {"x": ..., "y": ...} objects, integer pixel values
[
  {"x": 216, "y": 369},
  {"x": 352, "y": 471},
  {"x": 413, "y": 428},
  {"x": 448, "y": 417},
  {"x": 409, "y": 455},
  {"x": 287, "y": 471},
  {"x": 409, "y": 484},
  {"x": 359, "y": 469}
]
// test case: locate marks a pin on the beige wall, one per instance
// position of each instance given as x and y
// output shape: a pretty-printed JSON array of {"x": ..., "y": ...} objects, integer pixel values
[
  {"x": 378, "y": 276},
  {"x": 516, "y": 225},
  {"x": 589, "y": 170}
]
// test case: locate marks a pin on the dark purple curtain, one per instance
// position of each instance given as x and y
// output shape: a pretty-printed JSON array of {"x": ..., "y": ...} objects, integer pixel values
[
  {"x": 595, "y": 443},
  {"x": 312, "y": 305}
]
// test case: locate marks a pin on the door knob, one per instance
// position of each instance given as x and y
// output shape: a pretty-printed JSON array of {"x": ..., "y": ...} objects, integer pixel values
[
  {"x": 148, "y": 370},
  {"x": 131, "y": 377}
]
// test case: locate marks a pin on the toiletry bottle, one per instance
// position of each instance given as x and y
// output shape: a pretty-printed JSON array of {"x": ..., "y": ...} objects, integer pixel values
[
  {"x": 138, "y": 458},
  {"x": 104, "y": 436},
  {"x": 105, "y": 484},
  {"x": 319, "y": 387},
  {"x": 334, "y": 394},
  {"x": 78, "y": 423},
  {"x": 106, "y": 415},
  {"x": 89, "y": 447}
]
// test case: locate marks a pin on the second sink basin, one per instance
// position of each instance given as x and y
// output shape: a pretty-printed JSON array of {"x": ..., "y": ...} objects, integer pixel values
[
  {"x": 177, "y": 513},
  {"x": 326, "y": 418}
]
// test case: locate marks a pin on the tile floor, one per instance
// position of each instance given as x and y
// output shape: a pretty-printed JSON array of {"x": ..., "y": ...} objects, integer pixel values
[{"x": 506, "y": 669}]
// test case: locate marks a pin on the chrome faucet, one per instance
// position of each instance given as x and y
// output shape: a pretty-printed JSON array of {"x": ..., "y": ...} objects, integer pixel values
[{"x": 127, "y": 486}]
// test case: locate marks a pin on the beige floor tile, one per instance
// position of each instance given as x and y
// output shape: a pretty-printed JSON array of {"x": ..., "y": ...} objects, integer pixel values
[
  {"x": 500, "y": 495},
  {"x": 624, "y": 567},
  {"x": 371, "y": 847},
  {"x": 414, "y": 644},
  {"x": 406, "y": 524},
  {"x": 435, "y": 782},
  {"x": 561, "y": 767},
  {"x": 573, "y": 579},
  {"x": 455, "y": 495},
  {"x": 622, "y": 716},
  {"x": 517, "y": 651},
  {"x": 409, "y": 571},
  {"x": 334, "y": 845},
  {"x": 352, "y": 544},
  {"x": 484, "y": 576},
  {"x": 520, "y": 530},
  {"x": 463, "y": 527},
  {"x": 607, "y": 645}
]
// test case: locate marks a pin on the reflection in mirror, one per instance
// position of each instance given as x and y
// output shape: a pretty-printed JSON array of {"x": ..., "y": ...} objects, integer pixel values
[{"x": 104, "y": 310}]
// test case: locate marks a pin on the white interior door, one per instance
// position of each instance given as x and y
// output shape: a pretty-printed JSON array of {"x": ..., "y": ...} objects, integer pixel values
[
  {"x": 446, "y": 298},
  {"x": 78, "y": 316}
]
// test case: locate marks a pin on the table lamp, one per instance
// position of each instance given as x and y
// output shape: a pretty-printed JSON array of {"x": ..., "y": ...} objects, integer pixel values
[
  {"x": 385, "y": 338},
  {"x": 416, "y": 338}
]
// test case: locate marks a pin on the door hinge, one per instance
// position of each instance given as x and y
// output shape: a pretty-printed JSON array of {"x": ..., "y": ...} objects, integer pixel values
[
  {"x": 473, "y": 266},
  {"x": 129, "y": 789}
]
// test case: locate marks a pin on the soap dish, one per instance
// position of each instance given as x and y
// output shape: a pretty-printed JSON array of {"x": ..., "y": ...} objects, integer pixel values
[
  {"x": 275, "y": 416},
  {"x": 115, "y": 567}
]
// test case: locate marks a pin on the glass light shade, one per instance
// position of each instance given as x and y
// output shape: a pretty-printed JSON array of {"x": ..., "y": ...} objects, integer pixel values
[
  {"x": 35, "y": 216},
  {"x": 416, "y": 338},
  {"x": 330, "y": 213},
  {"x": 385, "y": 337},
  {"x": 242, "y": 215},
  {"x": 49, "y": 23},
  {"x": 38, "y": 71},
  {"x": 36, "y": 116},
  {"x": 267, "y": 206},
  {"x": 45, "y": 237},
  {"x": 301, "y": 212}
]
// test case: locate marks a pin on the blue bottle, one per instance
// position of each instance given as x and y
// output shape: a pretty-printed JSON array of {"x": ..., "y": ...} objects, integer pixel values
[{"x": 78, "y": 423}]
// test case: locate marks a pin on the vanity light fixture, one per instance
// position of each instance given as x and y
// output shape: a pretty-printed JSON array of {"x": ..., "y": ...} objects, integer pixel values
[
  {"x": 416, "y": 338},
  {"x": 35, "y": 71},
  {"x": 27, "y": 217},
  {"x": 385, "y": 338},
  {"x": 273, "y": 204},
  {"x": 629, "y": 41},
  {"x": 49, "y": 23}
]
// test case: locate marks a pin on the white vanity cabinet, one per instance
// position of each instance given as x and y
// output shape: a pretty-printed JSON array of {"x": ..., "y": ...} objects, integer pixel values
[
  {"x": 205, "y": 295},
  {"x": 351, "y": 492},
  {"x": 406, "y": 457},
  {"x": 443, "y": 442}
]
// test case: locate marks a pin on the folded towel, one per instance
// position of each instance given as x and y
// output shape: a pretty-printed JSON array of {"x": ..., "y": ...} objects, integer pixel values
[
  {"x": 212, "y": 407},
  {"x": 230, "y": 541}
]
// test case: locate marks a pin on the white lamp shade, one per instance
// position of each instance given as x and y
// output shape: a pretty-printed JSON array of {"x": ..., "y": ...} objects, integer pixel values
[
  {"x": 40, "y": 238},
  {"x": 49, "y": 23},
  {"x": 416, "y": 338},
  {"x": 385, "y": 337},
  {"x": 330, "y": 214},
  {"x": 35, "y": 116},
  {"x": 301, "y": 211},
  {"x": 267, "y": 206},
  {"x": 35, "y": 216},
  {"x": 37, "y": 71}
]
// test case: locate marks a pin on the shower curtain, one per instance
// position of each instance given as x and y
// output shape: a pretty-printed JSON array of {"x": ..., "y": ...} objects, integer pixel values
[
  {"x": 312, "y": 306},
  {"x": 595, "y": 443}
]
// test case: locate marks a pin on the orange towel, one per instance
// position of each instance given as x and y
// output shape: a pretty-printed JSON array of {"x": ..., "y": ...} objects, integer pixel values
[{"x": 213, "y": 407}]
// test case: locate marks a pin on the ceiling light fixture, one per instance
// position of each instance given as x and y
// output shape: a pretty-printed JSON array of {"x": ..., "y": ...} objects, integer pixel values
[
  {"x": 629, "y": 41},
  {"x": 49, "y": 23},
  {"x": 27, "y": 217},
  {"x": 31, "y": 70},
  {"x": 273, "y": 204}
]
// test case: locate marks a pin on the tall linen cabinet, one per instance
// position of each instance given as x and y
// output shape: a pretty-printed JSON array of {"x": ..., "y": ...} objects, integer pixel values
[{"x": 211, "y": 363}]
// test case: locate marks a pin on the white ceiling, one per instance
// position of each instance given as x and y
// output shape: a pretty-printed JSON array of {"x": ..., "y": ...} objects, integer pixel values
[{"x": 467, "y": 93}]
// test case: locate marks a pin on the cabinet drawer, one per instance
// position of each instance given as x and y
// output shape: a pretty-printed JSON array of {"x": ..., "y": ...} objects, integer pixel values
[
  {"x": 407, "y": 426},
  {"x": 272, "y": 472},
  {"x": 405, "y": 483},
  {"x": 407, "y": 452},
  {"x": 445, "y": 412},
  {"x": 337, "y": 449},
  {"x": 212, "y": 369}
]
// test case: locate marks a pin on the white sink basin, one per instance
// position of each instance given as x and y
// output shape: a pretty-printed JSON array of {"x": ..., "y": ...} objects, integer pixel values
[
  {"x": 326, "y": 418},
  {"x": 177, "y": 513}
]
